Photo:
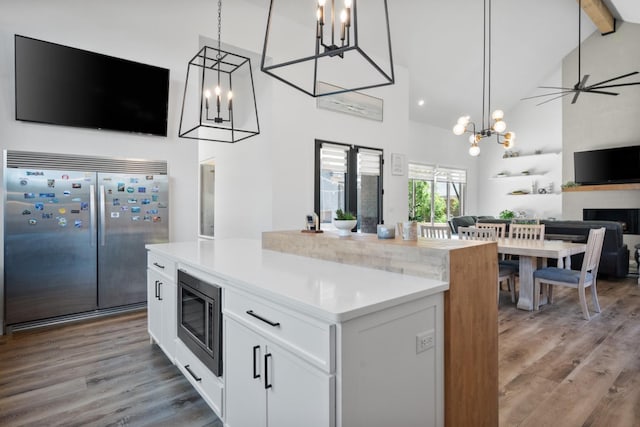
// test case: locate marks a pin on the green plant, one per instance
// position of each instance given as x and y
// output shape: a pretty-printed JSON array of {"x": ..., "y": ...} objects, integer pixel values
[
  {"x": 507, "y": 214},
  {"x": 342, "y": 215},
  {"x": 569, "y": 184}
]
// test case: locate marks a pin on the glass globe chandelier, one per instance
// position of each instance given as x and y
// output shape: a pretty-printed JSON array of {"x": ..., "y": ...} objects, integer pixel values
[{"x": 495, "y": 125}]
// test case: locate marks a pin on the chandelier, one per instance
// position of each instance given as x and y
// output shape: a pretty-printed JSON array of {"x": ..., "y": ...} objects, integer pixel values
[
  {"x": 219, "y": 102},
  {"x": 328, "y": 43},
  {"x": 494, "y": 124}
]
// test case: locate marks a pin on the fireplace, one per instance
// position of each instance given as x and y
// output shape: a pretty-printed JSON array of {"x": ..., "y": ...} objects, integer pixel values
[{"x": 629, "y": 218}]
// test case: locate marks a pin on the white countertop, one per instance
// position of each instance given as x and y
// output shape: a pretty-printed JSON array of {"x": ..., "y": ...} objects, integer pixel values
[{"x": 327, "y": 290}]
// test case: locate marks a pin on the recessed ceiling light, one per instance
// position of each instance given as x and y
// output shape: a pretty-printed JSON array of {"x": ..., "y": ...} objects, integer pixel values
[{"x": 421, "y": 102}]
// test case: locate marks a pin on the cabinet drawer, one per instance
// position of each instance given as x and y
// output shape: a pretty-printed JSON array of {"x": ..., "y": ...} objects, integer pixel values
[
  {"x": 309, "y": 338},
  {"x": 162, "y": 265},
  {"x": 203, "y": 380}
]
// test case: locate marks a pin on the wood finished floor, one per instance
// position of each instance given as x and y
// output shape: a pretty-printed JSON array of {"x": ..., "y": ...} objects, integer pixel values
[
  {"x": 94, "y": 373},
  {"x": 556, "y": 369}
]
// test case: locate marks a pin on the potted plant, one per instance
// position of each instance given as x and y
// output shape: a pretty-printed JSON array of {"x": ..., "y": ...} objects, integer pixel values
[
  {"x": 507, "y": 214},
  {"x": 344, "y": 222}
]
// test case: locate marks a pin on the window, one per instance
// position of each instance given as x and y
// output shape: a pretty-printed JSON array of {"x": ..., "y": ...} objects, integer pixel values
[
  {"x": 349, "y": 177},
  {"x": 435, "y": 194}
]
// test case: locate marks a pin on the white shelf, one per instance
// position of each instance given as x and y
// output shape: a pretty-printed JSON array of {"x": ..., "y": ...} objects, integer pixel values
[
  {"x": 534, "y": 194},
  {"x": 519, "y": 175},
  {"x": 529, "y": 155}
]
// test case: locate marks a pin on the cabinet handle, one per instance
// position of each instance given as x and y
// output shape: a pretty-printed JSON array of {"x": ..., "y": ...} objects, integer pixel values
[
  {"x": 267, "y": 321},
  {"x": 195, "y": 377},
  {"x": 159, "y": 294},
  {"x": 157, "y": 281},
  {"x": 158, "y": 265},
  {"x": 267, "y": 385},
  {"x": 255, "y": 372}
]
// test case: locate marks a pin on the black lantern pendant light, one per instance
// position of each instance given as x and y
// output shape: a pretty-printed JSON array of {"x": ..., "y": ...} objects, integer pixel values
[
  {"x": 346, "y": 46},
  {"x": 219, "y": 102}
]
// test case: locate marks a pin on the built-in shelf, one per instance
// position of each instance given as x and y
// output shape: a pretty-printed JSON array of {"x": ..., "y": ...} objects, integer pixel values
[
  {"x": 603, "y": 187},
  {"x": 533, "y": 194},
  {"x": 547, "y": 153},
  {"x": 518, "y": 175}
]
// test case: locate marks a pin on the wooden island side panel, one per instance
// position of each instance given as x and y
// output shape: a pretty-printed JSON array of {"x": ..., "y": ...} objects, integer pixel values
[{"x": 471, "y": 338}]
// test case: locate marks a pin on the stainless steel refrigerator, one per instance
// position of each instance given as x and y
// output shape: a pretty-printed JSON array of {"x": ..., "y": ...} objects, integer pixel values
[{"x": 75, "y": 232}]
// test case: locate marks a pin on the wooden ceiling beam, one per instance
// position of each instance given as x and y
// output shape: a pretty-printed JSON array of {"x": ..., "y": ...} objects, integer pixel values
[{"x": 600, "y": 15}]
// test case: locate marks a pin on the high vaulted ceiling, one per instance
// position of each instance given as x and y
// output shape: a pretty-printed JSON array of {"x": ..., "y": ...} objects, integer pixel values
[{"x": 441, "y": 44}]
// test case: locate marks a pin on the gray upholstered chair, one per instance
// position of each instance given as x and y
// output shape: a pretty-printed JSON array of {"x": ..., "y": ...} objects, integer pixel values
[{"x": 586, "y": 277}]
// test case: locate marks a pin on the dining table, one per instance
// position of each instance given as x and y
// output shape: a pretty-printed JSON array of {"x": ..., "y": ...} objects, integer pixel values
[{"x": 534, "y": 254}]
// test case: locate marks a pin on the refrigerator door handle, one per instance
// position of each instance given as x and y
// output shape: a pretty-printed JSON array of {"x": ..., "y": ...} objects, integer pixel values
[
  {"x": 103, "y": 219},
  {"x": 92, "y": 214}
]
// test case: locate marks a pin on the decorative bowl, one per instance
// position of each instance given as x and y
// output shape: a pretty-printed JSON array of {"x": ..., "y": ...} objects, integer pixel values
[{"x": 344, "y": 226}]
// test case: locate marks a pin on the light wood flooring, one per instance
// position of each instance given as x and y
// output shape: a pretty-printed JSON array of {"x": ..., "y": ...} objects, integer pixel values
[
  {"x": 556, "y": 369},
  {"x": 101, "y": 372}
]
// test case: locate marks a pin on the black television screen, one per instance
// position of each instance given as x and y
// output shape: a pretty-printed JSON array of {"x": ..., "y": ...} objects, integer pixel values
[
  {"x": 62, "y": 85},
  {"x": 613, "y": 165}
]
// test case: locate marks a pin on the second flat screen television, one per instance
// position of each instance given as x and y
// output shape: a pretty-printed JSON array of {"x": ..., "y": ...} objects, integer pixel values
[{"x": 62, "y": 85}]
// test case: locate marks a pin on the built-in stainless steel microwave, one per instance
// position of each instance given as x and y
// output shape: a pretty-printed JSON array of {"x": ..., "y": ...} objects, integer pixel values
[{"x": 200, "y": 319}]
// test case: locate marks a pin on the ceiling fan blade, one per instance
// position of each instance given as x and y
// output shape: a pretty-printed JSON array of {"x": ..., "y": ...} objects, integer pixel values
[
  {"x": 583, "y": 82},
  {"x": 549, "y": 94},
  {"x": 617, "y": 85},
  {"x": 553, "y": 99},
  {"x": 615, "y": 78},
  {"x": 575, "y": 97},
  {"x": 555, "y": 87},
  {"x": 601, "y": 92}
]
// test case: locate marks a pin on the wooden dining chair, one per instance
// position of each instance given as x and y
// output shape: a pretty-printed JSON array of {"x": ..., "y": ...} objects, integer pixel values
[
  {"x": 501, "y": 231},
  {"x": 501, "y": 228},
  {"x": 580, "y": 280},
  {"x": 526, "y": 231},
  {"x": 434, "y": 231},
  {"x": 505, "y": 274}
]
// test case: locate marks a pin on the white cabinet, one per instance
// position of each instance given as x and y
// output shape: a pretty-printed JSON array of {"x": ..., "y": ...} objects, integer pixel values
[
  {"x": 267, "y": 385},
  {"x": 161, "y": 303}
]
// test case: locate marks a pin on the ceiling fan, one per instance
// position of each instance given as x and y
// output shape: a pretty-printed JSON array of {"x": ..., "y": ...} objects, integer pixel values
[{"x": 581, "y": 85}]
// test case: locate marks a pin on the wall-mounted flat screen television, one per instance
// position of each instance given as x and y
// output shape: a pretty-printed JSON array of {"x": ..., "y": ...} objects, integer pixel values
[
  {"x": 63, "y": 85},
  {"x": 608, "y": 166}
]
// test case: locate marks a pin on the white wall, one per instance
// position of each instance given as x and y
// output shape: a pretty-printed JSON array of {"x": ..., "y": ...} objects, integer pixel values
[
  {"x": 436, "y": 146},
  {"x": 536, "y": 128},
  {"x": 601, "y": 121}
]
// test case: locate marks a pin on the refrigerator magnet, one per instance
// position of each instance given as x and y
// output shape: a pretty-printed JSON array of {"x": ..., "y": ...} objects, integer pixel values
[
  {"x": 51, "y": 183},
  {"x": 77, "y": 223},
  {"x": 65, "y": 176},
  {"x": 39, "y": 206},
  {"x": 35, "y": 173},
  {"x": 154, "y": 197},
  {"x": 149, "y": 177},
  {"x": 152, "y": 212},
  {"x": 116, "y": 202},
  {"x": 156, "y": 219},
  {"x": 26, "y": 212},
  {"x": 110, "y": 191},
  {"x": 155, "y": 189},
  {"x": 124, "y": 208},
  {"x": 147, "y": 218},
  {"x": 47, "y": 195},
  {"x": 75, "y": 211},
  {"x": 135, "y": 218},
  {"x": 135, "y": 209},
  {"x": 76, "y": 199},
  {"x": 47, "y": 215},
  {"x": 84, "y": 206},
  {"x": 62, "y": 222},
  {"x": 121, "y": 186},
  {"x": 62, "y": 211},
  {"x": 132, "y": 201},
  {"x": 66, "y": 193},
  {"x": 115, "y": 214},
  {"x": 29, "y": 196},
  {"x": 76, "y": 185},
  {"x": 145, "y": 201},
  {"x": 142, "y": 189},
  {"x": 133, "y": 180},
  {"x": 24, "y": 181},
  {"x": 33, "y": 221},
  {"x": 130, "y": 190}
]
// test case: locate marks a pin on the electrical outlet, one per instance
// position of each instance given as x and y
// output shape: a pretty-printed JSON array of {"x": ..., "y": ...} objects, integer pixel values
[{"x": 424, "y": 341}]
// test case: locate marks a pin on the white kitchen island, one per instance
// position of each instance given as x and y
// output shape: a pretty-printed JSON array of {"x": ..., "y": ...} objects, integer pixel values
[{"x": 354, "y": 346}]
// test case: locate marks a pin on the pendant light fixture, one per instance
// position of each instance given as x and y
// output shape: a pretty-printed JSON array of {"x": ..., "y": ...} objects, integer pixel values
[
  {"x": 495, "y": 125},
  {"x": 334, "y": 42},
  {"x": 581, "y": 84},
  {"x": 219, "y": 102}
]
